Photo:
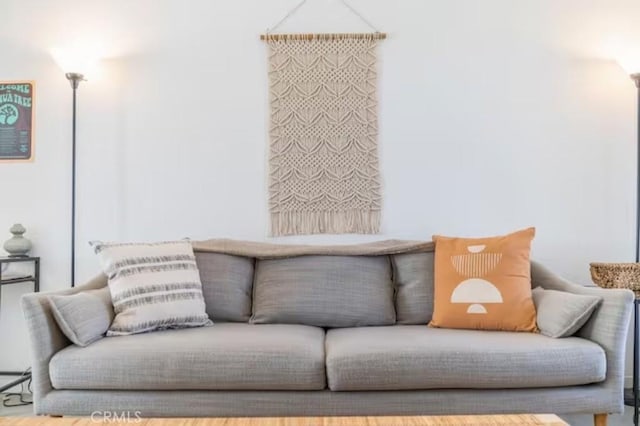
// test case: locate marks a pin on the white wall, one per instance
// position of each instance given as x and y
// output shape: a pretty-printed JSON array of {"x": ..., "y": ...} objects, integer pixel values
[{"x": 494, "y": 115}]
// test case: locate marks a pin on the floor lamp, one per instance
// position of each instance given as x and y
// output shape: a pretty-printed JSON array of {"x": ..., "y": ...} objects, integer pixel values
[
  {"x": 631, "y": 398},
  {"x": 623, "y": 275},
  {"x": 75, "y": 79}
]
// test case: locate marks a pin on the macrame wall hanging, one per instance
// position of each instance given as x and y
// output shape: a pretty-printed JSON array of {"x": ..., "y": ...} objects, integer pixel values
[{"x": 323, "y": 155}]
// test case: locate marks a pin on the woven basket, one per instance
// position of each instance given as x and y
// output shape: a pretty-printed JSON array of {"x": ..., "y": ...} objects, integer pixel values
[{"x": 617, "y": 275}]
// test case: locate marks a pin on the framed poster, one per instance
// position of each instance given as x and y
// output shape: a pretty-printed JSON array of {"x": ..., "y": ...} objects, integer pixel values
[{"x": 16, "y": 120}]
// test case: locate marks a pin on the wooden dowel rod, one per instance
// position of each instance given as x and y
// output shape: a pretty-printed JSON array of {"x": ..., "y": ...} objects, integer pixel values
[{"x": 323, "y": 36}]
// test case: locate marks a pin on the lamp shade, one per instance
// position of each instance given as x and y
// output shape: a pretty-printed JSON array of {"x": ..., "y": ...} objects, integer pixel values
[
  {"x": 76, "y": 60},
  {"x": 631, "y": 63}
]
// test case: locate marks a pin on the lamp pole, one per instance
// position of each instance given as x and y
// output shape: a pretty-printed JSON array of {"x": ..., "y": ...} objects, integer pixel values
[
  {"x": 636, "y": 78},
  {"x": 636, "y": 320},
  {"x": 74, "y": 79}
]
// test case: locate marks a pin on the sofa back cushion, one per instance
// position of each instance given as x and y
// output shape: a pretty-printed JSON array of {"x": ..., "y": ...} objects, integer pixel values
[
  {"x": 227, "y": 283},
  {"x": 324, "y": 291},
  {"x": 413, "y": 278}
]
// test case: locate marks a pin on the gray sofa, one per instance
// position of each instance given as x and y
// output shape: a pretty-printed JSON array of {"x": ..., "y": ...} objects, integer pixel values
[{"x": 329, "y": 331}]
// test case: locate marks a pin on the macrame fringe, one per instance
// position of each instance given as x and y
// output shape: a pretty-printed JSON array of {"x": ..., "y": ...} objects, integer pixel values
[
  {"x": 332, "y": 222},
  {"x": 323, "y": 36}
]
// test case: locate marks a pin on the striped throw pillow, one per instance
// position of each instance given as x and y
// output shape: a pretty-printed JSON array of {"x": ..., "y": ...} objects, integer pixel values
[{"x": 153, "y": 286}]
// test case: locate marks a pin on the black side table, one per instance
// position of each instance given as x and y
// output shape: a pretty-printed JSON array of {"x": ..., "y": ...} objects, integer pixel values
[
  {"x": 33, "y": 278},
  {"x": 631, "y": 397}
]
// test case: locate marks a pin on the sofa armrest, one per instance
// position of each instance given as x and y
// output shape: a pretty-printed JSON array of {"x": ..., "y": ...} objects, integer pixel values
[
  {"x": 45, "y": 336},
  {"x": 608, "y": 326}
]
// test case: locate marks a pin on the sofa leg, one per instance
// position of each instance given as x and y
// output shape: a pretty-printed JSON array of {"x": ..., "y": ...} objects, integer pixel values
[{"x": 600, "y": 420}]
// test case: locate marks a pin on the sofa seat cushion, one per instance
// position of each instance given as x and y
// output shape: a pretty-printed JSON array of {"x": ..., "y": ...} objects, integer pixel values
[
  {"x": 225, "y": 356},
  {"x": 418, "y": 357}
]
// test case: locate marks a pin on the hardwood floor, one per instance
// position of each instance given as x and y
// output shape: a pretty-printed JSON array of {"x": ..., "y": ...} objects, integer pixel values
[
  {"x": 501, "y": 420},
  {"x": 625, "y": 419}
]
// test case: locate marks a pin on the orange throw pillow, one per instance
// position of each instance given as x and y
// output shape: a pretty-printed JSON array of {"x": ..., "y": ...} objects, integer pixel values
[{"x": 484, "y": 283}]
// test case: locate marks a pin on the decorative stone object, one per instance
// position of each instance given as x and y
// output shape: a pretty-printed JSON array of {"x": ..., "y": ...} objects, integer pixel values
[{"x": 18, "y": 245}]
